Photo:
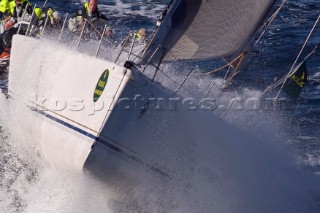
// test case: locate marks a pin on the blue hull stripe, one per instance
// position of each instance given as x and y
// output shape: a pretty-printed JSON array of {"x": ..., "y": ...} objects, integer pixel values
[
  {"x": 66, "y": 124},
  {"x": 104, "y": 142}
]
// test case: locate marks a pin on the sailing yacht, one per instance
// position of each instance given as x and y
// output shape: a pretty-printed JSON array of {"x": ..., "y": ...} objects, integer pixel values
[{"x": 69, "y": 102}]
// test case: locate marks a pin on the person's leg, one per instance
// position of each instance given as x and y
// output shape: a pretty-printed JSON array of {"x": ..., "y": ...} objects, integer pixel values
[
  {"x": 7, "y": 37},
  {"x": 6, "y": 41},
  {"x": 1, "y": 43}
]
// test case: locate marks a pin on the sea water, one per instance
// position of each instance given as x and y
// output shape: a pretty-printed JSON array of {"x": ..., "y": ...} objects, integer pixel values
[{"x": 222, "y": 178}]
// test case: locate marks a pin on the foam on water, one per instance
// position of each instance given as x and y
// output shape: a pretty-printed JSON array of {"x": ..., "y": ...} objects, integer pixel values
[
  {"x": 315, "y": 78},
  {"x": 133, "y": 10},
  {"x": 31, "y": 184}
]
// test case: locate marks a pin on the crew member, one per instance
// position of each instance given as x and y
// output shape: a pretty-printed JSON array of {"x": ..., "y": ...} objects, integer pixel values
[
  {"x": 92, "y": 12},
  {"x": 18, "y": 7},
  {"x": 141, "y": 35},
  {"x": 4, "y": 8}
]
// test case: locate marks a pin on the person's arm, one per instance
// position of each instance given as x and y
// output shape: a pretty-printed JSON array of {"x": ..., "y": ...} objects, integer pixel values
[{"x": 28, "y": 7}]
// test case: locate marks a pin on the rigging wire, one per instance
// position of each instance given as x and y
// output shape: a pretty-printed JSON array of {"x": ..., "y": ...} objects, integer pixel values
[
  {"x": 265, "y": 26},
  {"x": 283, "y": 79},
  {"x": 234, "y": 73},
  {"x": 292, "y": 70},
  {"x": 269, "y": 22},
  {"x": 225, "y": 66},
  {"x": 155, "y": 30}
]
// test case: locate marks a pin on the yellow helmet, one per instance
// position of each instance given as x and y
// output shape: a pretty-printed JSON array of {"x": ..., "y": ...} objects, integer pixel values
[
  {"x": 4, "y": 6},
  {"x": 50, "y": 12},
  {"x": 38, "y": 12}
]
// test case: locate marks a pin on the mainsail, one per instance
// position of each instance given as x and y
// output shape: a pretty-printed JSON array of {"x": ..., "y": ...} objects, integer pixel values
[{"x": 207, "y": 29}]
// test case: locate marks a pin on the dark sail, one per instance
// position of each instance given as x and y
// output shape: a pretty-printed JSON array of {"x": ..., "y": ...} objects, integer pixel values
[{"x": 295, "y": 83}]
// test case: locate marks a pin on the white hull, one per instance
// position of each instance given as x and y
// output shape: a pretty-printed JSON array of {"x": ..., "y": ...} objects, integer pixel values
[
  {"x": 142, "y": 133},
  {"x": 57, "y": 86},
  {"x": 54, "y": 88}
]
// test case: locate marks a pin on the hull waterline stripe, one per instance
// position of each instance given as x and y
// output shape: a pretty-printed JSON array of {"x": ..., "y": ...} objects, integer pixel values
[
  {"x": 66, "y": 124},
  {"x": 102, "y": 141}
]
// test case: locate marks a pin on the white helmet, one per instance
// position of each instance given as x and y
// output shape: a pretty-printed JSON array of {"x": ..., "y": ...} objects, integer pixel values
[{"x": 56, "y": 15}]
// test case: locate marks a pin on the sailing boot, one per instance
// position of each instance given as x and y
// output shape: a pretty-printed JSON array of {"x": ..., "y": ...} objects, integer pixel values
[{"x": 5, "y": 55}]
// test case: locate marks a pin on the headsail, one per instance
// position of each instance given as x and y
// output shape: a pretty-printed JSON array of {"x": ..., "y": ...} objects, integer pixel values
[{"x": 207, "y": 29}]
